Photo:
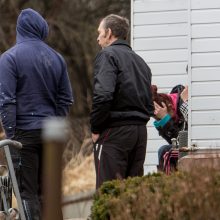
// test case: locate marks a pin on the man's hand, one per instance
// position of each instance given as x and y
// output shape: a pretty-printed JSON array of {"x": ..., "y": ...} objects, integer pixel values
[
  {"x": 95, "y": 137},
  {"x": 184, "y": 94},
  {"x": 159, "y": 111}
]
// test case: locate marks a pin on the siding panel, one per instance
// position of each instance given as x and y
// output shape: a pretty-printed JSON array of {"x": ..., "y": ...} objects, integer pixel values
[
  {"x": 151, "y": 158},
  {"x": 160, "y": 43},
  {"x": 205, "y": 132},
  {"x": 201, "y": 4},
  {"x": 152, "y": 133},
  {"x": 164, "y": 55},
  {"x": 168, "y": 68},
  {"x": 205, "y": 74},
  {"x": 165, "y": 30},
  {"x": 160, "y": 17},
  {"x": 206, "y": 89},
  {"x": 170, "y": 80},
  {"x": 205, "y": 30},
  {"x": 159, "y": 5},
  {"x": 205, "y": 59},
  {"x": 206, "y": 117},
  {"x": 205, "y": 16},
  {"x": 153, "y": 146},
  {"x": 206, "y": 45},
  {"x": 206, "y": 103},
  {"x": 207, "y": 143}
]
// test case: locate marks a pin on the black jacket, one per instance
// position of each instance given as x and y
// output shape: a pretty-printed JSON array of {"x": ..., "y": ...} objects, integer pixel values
[
  {"x": 172, "y": 128},
  {"x": 122, "y": 88}
]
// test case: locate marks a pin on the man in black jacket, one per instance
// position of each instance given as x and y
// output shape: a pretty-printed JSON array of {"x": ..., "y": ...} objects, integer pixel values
[{"x": 122, "y": 104}]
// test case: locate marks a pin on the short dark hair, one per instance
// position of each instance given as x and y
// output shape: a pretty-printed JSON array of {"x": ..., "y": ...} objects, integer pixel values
[{"x": 118, "y": 25}]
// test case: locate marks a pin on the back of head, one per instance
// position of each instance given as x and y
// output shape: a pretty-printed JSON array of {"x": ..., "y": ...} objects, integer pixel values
[
  {"x": 118, "y": 25},
  {"x": 31, "y": 25},
  {"x": 162, "y": 97}
]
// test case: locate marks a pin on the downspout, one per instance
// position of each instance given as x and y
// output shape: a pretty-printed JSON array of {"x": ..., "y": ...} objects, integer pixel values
[{"x": 189, "y": 67}]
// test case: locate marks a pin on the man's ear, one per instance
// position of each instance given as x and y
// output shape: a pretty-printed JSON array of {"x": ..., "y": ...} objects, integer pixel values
[{"x": 109, "y": 33}]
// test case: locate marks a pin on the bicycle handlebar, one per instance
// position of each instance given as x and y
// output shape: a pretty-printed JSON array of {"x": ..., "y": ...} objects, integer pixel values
[{"x": 11, "y": 143}]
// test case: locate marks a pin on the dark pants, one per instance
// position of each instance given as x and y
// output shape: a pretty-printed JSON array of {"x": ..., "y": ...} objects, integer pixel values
[
  {"x": 120, "y": 153},
  {"x": 27, "y": 164}
]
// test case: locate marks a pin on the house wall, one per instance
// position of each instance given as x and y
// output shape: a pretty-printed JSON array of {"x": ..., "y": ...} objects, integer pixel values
[
  {"x": 205, "y": 73},
  {"x": 169, "y": 35},
  {"x": 159, "y": 35}
]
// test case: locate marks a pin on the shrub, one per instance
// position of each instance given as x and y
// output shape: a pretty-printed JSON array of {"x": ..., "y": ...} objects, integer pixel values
[{"x": 180, "y": 196}]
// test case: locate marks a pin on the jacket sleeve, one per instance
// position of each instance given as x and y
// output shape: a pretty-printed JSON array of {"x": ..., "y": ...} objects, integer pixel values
[
  {"x": 184, "y": 110},
  {"x": 105, "y": 76},
  {"x": 8, "y": 82},
  {"x": 65, "y": 95},
  {"x": 167, "y": 128}
]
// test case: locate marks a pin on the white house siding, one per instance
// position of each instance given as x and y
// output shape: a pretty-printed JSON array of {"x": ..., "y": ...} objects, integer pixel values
[
  {"x": 205, "y": 73},
  {"x": 159, "y": 35}
]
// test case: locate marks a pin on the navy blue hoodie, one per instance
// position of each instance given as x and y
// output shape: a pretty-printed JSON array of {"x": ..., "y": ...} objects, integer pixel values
[{"x": 34, "y": 82}]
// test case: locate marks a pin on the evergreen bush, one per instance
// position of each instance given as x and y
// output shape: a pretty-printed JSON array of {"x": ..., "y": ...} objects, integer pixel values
[{"x": 180, "y": 196}]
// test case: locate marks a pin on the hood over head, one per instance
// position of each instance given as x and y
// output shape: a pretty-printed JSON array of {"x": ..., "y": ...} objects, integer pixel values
[{"x": 31, "y": 25}]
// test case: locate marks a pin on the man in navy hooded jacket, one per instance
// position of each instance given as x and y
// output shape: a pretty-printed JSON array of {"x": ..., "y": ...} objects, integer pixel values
[{"x": 34, "y": 85}]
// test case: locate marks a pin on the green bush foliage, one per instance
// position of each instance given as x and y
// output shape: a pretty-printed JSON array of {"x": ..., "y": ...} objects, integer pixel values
[{"x": 180, "y": 196}]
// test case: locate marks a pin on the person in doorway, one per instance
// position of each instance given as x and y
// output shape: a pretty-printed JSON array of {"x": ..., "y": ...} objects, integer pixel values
[
  {"x": 34, "y": 86},
  {"x": 171, "y": 114},
  {"x": 122, "y": 104}
]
